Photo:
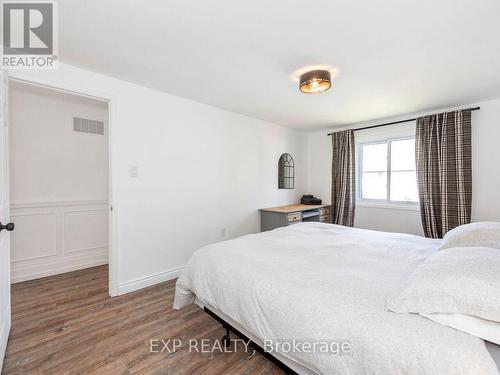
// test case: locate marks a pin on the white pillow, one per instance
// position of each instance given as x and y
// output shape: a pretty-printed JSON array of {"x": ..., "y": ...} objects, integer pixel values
[
  {"x": 461, "y": 280},
  {"x": 485, "y": 234},
  {"x": 484, "y": 329}
]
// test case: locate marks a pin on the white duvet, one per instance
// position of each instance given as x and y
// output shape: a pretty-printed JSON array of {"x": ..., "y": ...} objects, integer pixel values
[{"x": 322, "y": 282}]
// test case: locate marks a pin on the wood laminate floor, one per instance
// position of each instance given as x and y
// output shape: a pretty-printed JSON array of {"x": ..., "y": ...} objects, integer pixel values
[{"x": 67, "y": 324}]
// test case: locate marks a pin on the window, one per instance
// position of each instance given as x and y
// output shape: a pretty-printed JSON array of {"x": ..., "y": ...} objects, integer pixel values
[{"x": 387, "y": 171}]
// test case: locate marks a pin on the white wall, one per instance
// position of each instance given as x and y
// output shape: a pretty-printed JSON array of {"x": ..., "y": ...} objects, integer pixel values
[
  {"x": 58, "y": 183},
  {"x": 49, "y": 161},
  {"x": 486, "y": 179},
  {"x": 486, "y": 162},
  {"x": 200, "y": 169}
]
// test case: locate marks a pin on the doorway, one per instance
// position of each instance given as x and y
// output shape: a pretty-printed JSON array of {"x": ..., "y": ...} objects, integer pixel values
[{"x": 59, "y": 181}]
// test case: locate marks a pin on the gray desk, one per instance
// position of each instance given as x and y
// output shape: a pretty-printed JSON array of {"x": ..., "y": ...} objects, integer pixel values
[{"x": 275, "y": 217}]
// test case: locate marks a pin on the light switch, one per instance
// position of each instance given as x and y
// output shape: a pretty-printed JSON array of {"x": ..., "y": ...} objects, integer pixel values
[{"x": 133, "y": 171}]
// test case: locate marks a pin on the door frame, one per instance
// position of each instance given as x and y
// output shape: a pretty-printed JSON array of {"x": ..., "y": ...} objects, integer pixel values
[{"x": 112, "y": 240}]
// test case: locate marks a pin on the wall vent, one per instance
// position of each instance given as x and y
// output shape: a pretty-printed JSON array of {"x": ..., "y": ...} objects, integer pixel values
[{"x": 88, "y": 126}]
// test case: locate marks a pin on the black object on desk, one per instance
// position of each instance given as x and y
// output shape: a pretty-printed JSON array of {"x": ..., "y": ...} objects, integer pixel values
[{"x": 310, "y": 199}]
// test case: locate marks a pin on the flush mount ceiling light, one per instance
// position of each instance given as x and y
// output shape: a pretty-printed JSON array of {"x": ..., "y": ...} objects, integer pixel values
[{"x": 315, "y": 81}]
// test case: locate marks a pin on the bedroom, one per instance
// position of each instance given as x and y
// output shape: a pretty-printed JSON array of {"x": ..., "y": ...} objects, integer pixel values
[{"x": 202, "y": 101}]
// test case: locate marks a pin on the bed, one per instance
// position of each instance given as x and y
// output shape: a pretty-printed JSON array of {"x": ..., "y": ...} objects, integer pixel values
[{"x": 315, "y": 282}]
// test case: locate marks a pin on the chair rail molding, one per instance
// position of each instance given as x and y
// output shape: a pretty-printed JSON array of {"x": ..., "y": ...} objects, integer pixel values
[{"x": 59, "y": 203}]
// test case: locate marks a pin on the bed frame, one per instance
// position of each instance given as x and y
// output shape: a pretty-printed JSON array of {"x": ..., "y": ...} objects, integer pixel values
[{"x": 226, "y": 341}]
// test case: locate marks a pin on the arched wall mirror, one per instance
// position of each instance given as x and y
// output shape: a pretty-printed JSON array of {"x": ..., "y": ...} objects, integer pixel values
[{"x": 286, "y": 173}]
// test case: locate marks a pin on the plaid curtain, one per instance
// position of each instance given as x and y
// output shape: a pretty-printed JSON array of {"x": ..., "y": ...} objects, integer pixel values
[
  {"x": 343, "y": 178},
  {"x": 444, "y": 171}
]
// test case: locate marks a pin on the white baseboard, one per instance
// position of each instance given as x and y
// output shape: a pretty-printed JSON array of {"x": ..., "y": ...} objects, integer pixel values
[
  {"x": 55, "y": 268},
  {"x": 143, "y": 282}
]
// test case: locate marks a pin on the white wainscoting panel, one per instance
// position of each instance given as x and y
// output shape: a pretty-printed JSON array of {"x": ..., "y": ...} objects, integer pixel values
[
  {"x": 57, "y": 237},
  {"x": 41, "y": 241},
  {"x": 85, "y": 229}
]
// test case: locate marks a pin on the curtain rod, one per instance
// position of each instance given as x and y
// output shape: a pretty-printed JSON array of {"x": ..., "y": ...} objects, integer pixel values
[{"x": 402, "y": 121}]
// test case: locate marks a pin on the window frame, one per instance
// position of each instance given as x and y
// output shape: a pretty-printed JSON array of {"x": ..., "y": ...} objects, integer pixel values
[{"x": 387, "y": 202}]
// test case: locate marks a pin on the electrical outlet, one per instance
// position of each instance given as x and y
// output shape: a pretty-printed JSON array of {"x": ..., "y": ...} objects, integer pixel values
[{"x": 223, "y": 232}]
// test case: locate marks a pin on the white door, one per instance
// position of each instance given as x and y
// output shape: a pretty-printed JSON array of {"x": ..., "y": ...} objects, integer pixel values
[{"x": 4, "y": 219}]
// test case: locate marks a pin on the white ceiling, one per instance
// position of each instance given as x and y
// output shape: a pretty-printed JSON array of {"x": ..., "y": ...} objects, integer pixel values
[{"x": 392, "y": 56}]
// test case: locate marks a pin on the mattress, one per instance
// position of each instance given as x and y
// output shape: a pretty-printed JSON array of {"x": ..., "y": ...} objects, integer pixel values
[
  {"x": 315, "y": 282},
  {"x": 296, "y": 365}
]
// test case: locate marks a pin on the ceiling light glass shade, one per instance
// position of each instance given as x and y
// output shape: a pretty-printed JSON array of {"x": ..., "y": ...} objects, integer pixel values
[{"x": 315, "y": 81}]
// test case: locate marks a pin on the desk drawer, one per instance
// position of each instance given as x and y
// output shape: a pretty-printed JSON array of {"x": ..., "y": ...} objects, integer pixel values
[
  {"x": 294, "y": 216},
  {"x": 324, "y": 218},
  {"x": 324, "y": 211}
]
